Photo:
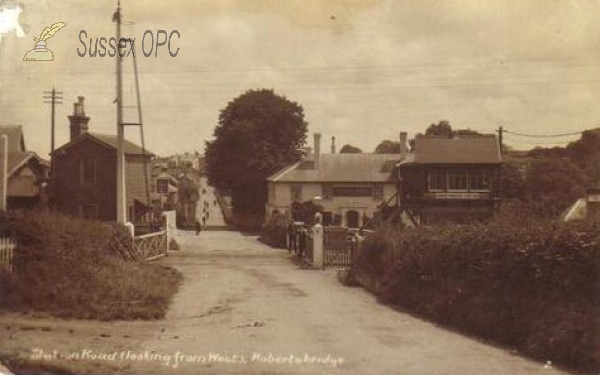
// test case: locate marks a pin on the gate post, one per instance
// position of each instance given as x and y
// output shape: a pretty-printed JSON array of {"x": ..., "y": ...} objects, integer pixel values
[{"x": 317, "y": 231}]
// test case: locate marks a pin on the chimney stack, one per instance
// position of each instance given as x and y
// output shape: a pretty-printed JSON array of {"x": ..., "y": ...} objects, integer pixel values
[
  {"x": 403, "y": 145},
  {"x": 317, "y": 149},
  {"x": 79, "y": 121},
  {"x": 333, "y": 145}
]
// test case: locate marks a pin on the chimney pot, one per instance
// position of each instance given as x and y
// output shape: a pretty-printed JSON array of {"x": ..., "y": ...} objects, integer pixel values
[
  {"x": 403, "y": 144},
  {"x": 78, "y": 121},
  {"x": 317, "y": 137}
]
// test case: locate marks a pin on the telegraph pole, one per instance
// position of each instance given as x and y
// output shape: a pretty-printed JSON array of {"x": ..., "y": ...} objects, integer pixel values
[
  {"x": 121, "y": 197},
  {"x": 500, "y": 136},
  {"x": 52, "y": 97}
]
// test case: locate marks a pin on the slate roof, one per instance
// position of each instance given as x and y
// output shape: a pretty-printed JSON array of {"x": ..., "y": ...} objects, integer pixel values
[
  {"x": 16, "y": 141},
  {"x": 130, "y": 148},
  {"x": 17, "y": 159},
  {"x": 458, "y": 150},
  {"x": 340, "y": 168}
]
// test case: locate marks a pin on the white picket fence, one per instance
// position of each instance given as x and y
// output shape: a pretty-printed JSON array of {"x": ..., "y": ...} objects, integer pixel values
[{"x": 7, "y": 251}]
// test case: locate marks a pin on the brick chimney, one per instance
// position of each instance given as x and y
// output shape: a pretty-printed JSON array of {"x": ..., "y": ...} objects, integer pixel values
[
  {"x": 333, "y": 145},
  {"x": 317, "y": 137},
  {"x": 79, "y": 121},
  {"x": 403, "y": 144}
]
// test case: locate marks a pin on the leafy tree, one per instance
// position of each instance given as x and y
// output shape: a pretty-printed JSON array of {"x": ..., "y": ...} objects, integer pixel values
[
  {"x": 259, "y": 132},
  {"x": 553, "y": 184},
  {"x": 349, "y": 149},
  {"x": 388, "y": 147},
  {"x": 442, "y": 129},
  {"x": 512, "y": 181}
]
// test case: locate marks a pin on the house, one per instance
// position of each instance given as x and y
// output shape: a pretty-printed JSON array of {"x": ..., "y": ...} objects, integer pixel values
[
  {"x": 86, "y": 173},
  {"x": 349, "y": 187},
  {"x": 27, "y": 173},
  {"x": 449, "y": 179}
]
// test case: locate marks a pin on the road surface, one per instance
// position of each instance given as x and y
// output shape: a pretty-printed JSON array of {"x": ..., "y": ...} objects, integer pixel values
[
  {"x": 208, "y": 206},
  {"x": 245, "y": 308}
]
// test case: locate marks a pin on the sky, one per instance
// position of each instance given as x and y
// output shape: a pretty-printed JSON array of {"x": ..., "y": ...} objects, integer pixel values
[{"x": 363, "y": 70}]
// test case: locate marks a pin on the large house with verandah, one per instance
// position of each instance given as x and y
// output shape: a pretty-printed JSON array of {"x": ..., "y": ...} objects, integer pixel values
[{"x": 349, "y": 187}]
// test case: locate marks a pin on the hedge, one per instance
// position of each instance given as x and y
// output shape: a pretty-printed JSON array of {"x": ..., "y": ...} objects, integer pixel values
[
  {"x": 74, "y": 268},
  {"x": 531, "y": 285}
]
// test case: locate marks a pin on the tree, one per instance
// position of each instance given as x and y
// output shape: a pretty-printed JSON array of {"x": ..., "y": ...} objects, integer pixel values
[
  {"x": 349, "y": 149},
  {"x": 388, "y": 147},
  {"x": 258, "y": 133},
  {"x": 554, "y": 183},
  {"x": 442, "y": 129}
]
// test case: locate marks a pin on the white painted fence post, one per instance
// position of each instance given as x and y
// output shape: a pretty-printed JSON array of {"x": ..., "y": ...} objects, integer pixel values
[
  {"x": 131, "y": 228},
  {"x": 317, "y": 231}
]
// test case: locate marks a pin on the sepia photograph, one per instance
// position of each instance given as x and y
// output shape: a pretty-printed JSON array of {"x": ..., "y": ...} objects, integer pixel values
[{"x": 273, "y": 187}]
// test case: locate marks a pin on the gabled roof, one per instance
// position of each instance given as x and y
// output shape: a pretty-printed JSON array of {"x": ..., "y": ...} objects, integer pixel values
[
  {"x": 109, "y": 141},
  {"x": 340, "y": 168},
  {"x": 16, "y": 141},
  {"x": 17, "y": 159},
  {"x": 483, "y": 149}
]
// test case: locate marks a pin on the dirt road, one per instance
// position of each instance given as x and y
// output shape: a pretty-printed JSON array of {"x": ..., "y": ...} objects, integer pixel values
[{"x": 246, "y": 309}]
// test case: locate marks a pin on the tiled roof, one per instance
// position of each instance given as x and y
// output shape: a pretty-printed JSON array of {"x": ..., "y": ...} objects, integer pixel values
[
  {"x": 16, "y": 142},
  {"x": 340, "y": 168},
  {"x": 17, "y": 159},
  {"x": 458, "y": 150},
  {"x": 130, "y": 148}
]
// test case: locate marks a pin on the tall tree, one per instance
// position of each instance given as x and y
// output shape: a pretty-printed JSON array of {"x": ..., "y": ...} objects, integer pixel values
[
  {"x": 388, "y": 147},
  {"x": 349, "y": 149},
  {"x": 259, "y": 132}
]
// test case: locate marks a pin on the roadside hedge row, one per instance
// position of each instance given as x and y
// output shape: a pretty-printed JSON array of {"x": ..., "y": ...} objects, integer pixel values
[
  {"x": 74, "y": 268},
  {"x": 533, "y": 286}
]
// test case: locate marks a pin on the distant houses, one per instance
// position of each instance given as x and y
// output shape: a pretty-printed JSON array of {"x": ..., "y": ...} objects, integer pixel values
[
  {"x": 441, "y": 179},
  {"x": 27, "y": 174},
  {"x": 85, "y": 173}
]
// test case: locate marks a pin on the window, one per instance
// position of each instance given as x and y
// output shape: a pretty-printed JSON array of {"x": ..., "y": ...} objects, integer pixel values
[
  {"x": 437, "y": 181},
  {"x": 458, "y": 181},
  {"x": 296, "y": 193},
  {"x": 479, "y": 181},
  {"x": 327, "y": 191},
  {"x": 378, "y": 192},
  {"x": 87, "y": 171},
  {"x": 352, "y": 191}
]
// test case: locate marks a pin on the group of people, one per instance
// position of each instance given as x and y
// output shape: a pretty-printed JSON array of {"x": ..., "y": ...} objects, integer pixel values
[{"x": 205, "y": 216}]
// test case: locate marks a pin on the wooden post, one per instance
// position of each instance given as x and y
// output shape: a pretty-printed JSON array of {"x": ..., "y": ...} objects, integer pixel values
[
  {"x": 317, "y": 231},
  {"x": 3, "y": 171}
]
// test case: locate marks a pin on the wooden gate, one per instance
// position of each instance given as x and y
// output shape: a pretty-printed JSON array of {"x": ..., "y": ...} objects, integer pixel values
[
  {"x": 337, "y": 253},
  {"x": 7, "y": 248}
]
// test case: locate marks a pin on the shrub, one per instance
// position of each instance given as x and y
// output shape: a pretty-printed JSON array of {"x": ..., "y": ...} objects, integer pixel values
[
  {"x": 274, "y": 233},
  {"x": 532, "y": 285},
  {"x": 74, "y": 268}
]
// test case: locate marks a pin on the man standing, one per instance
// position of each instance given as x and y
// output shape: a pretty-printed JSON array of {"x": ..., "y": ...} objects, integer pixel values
[{"x": 198, "y": 227}]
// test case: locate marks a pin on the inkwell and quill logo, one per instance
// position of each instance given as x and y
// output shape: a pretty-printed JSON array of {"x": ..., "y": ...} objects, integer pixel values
[{"x": 40, "y": 52}]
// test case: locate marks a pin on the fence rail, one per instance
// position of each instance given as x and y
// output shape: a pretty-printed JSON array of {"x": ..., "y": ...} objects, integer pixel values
[
  {"x": 151, "y": 246},
  {"x": 7, "y": 250}
]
